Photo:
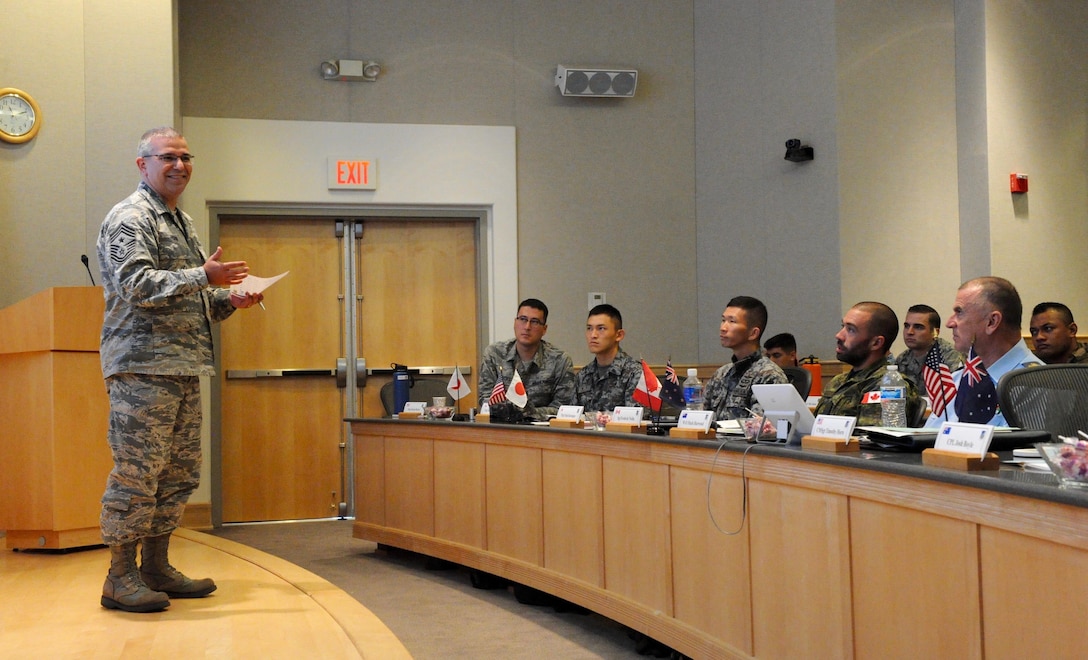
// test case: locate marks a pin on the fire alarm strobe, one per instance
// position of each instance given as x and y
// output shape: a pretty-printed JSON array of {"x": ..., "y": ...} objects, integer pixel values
[
  {"x": 590, "y": 81},
  {"x": 1018, "y": 183}
]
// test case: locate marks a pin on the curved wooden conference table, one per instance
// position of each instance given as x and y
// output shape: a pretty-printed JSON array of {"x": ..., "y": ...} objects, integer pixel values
[{"x": 834, "y": 556}]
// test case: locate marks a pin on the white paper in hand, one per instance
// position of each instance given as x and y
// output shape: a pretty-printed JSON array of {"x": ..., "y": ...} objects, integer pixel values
[{"x": 254, "y": 284}]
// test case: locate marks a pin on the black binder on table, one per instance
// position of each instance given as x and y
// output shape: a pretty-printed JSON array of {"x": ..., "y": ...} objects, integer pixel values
[{"x": 918, "y": 439}]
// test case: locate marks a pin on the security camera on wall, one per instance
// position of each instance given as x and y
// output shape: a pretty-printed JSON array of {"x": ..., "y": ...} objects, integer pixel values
[{"x": 796, "y": 153}]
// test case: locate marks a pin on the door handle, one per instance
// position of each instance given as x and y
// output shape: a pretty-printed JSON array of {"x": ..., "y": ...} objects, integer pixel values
[
  {"x": 342, "y": 372},
  {"x": 276, "y": 373}
]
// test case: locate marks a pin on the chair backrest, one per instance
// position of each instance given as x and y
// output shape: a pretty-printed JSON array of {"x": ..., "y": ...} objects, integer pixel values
[
  {"x": 800, "y": 378},
  {"x": 419, "y": 389},
  {"x": 1051, "y": 398}
]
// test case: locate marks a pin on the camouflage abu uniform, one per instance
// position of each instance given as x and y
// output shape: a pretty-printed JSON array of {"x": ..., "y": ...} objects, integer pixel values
[
  {"x": 845, "y": 395},
  {"x": 156, "y": 343},
  {"x": 911, "y": 367},
  {"x": 548, "y": 378},
  {"x": 729, "y": 391},
  {"x": 603, "y": 388}
]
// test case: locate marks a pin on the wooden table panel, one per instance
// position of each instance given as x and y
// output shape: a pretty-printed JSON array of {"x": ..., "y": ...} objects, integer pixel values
[
  {"x": 515, "y": 519},
  {"x": 459, "y": 513},
  {"x": 911, "y": 566},
  {"x": 574, "y": 516}
]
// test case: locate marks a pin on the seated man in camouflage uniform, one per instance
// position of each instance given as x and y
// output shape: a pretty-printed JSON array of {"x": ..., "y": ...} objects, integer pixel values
[
  {"x": 546, "y": 371},
  {"x": 868, "y": 331},
  {"x": 920, "y": 333},
  {"x": 1054, "y": 334},
  {"x": 610, "y": 379},
  {"x": 729, "y": 391}
]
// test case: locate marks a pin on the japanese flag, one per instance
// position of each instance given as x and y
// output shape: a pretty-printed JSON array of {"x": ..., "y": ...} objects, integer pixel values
[
  {"x": 516, "y": 394},
  {"x": 458, "y": 388}
]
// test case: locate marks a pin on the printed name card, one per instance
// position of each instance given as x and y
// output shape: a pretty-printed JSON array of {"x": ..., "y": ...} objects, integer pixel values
[
  {"x": 695, "y": 419},
  {"x": 571, "y": 413},
  {"x": 627, "y": 415},
  {"x": 964, "y": 438},
  {"x": 834, "y": 427},
  {"x": 415, "y": 407}
]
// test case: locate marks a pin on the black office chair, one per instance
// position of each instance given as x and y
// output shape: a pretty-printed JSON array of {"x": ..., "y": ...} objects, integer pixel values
[
  {"x": 419, "y": 389},
  {"x": 1052, "y": 398},
  {"x": 800, "y": 378}
]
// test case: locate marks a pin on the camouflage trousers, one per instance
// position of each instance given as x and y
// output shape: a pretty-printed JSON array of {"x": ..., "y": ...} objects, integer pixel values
[{"x": 154, "y": 436}]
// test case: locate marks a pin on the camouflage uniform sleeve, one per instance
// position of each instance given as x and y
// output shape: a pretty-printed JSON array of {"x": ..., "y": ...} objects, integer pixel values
[
  {"x": 714, "y": 392},
  {"x": 563, "y": 394},
  {"x": 490, "y": 372}
]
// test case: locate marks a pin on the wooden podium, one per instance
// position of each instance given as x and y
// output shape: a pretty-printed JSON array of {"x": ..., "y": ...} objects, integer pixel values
[{"x": 53, "y": 419}]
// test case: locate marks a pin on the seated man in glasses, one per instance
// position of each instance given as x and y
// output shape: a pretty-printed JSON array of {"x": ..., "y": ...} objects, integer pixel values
[{"x": 546, "y": 371}]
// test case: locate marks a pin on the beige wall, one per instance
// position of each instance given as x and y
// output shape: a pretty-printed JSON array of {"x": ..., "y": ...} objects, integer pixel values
[
  {"x": 671, "y": 202},
  {"x": 1037, "y": 96}
]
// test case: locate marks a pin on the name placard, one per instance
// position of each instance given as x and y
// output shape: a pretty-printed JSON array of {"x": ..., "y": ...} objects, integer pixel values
[
  {"x": 485, "y": 409},
  {"x": 834, "y": 427},
  {"x": 695, "y": 419},
  {"x": 415, "y": 406},
  {"x": 964, "y": 438},
  {"x": 352, "y": 173},
  {"x": 627, "y": 415},
  {"x": 572, "y": 413}
]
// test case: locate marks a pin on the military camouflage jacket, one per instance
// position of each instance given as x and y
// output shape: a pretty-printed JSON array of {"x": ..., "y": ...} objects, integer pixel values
[
  {"x": 911, "y": 367},
  {"x": 729, "y": 391},
  {"x": 599, "y": 388},
  {"x": 549, "y": 378},
  {"x": 159, "y": 309},
  {"x": 845, "y": 395}
]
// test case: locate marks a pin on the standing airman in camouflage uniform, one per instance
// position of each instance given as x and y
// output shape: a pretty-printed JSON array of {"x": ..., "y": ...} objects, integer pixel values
[
  {"x": 546, "y": 371},
  {"x": 868, "y": 331},
  {"x": 611, "y": 378},
  {"x": 156, "y": 343},
  {"x": 729, "y": 391}
]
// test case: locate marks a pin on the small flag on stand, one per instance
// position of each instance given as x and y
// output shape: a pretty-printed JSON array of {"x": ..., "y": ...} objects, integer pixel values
[
  {"x": 648, "y": 390},
  {"x": 940, "y": 388},
  {"x": 517, "y": 394},
  {"x": 458, "y": 387},
  {"x": 671, "y": 392},
  {"x": 498, "y": 393}
]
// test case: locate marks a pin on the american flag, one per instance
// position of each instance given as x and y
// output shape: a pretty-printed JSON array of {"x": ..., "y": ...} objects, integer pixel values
[
  {"x": 498, "y": 393},
  {"x": 940, "y": 388}
]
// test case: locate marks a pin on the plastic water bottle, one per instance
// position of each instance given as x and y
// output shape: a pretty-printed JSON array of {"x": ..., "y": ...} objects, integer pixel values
[
  {"x": 693, "y": 390},
  {"x": 893, "y": 398}
]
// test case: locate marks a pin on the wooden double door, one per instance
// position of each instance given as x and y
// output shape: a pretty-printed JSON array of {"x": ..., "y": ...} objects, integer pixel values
[{"x": 379, "y": 290}]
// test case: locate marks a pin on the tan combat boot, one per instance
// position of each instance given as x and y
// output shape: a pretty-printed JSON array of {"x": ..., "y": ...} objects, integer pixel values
[
  {"x": 157, "y": 573},
  {"x": 124, "y": 590}
]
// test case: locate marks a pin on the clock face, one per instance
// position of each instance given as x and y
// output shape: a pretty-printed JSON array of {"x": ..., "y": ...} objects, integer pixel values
[{"x": 18, "y": 116}]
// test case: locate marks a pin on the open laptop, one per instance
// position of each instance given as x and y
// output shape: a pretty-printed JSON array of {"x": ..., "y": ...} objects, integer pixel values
[{"x": 784, "y": 408}]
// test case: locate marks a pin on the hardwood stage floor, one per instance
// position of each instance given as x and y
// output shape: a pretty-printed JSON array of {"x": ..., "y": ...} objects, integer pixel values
[{"x": 265, "y": 607}]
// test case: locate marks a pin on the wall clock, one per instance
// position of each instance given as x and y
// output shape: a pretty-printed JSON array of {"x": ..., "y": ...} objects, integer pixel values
[{"x": 20, "y": 116}]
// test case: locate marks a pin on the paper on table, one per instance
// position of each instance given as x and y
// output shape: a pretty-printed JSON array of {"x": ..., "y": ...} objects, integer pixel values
[{"x": 254, "y": 284}]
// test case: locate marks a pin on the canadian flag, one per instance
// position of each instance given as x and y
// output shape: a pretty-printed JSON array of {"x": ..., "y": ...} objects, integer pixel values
[
  {"x": 458, "y": 387},
  {"x": 648, "y": 390},
  {"x": 516, "y": 394}
]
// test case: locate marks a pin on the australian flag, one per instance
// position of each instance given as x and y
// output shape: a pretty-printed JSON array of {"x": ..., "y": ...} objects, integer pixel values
[
  {"x": 976, "y": 400},
  {"x": 671, "y": 392}
]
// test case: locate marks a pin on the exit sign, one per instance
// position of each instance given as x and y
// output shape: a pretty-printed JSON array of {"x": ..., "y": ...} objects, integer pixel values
[{"x": 353, "y": 174}]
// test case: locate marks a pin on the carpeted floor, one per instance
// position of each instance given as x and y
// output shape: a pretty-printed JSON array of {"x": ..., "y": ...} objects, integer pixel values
[{"x": 435, "y": 613}]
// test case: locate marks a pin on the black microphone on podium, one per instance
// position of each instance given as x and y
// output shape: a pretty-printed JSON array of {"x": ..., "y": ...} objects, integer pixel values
[{"x": 87, "y": 265}]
